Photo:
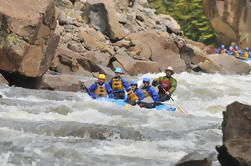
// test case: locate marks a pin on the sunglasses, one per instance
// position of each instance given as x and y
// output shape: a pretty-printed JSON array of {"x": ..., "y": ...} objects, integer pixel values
[{"x": 145, "y": 82}]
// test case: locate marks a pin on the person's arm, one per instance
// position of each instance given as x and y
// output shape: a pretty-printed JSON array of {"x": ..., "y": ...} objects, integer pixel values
[
  {"x": 156, "y": 81},
  {"x": 109, "y": 90},
  {"x": 141, "y": 95},
  {"x": 110, "y": 82},
  {"x": 91, "y": 91},
  {"x": 125, "y": 84},
  {"x": 154, "y": 95},
  {"x": 173, "y": 86}
]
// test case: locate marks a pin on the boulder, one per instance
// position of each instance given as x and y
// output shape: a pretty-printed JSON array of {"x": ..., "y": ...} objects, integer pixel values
[
  {"x": 92, "y": 39},
  {"x": 126, "y": 61},
  {"x": 171, "y": 24},
  {"x": 62, "y": 82},
  {"x": 163, "y": 49},
  {"x": 237, "y": 121},
  {"x": 102, "y": 16},
  {"x": 67, "y": 62},
  {"x": 235, "y": 152},
  {"x": 27, "y": 40},
  {"x": 196, "y": 159},
  {"x": 231, "y": 20},
  {"x": 224, "y": 64},
  {"x": 236, "y": 128},
  {"x": 142, "y": 67}
]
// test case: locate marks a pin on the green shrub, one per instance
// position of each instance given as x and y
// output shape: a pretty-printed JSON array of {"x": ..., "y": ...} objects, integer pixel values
[{"x": 190, "y": 15}]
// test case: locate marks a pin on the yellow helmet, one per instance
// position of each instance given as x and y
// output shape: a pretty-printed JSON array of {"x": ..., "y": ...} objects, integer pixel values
[{"x": 101, "y": 76}]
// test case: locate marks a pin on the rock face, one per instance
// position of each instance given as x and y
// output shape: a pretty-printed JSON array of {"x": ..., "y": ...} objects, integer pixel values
[
  {"x": 102, "y": 16},
  {"x": 224, "y": 64},
  {"x": 236, "y": 129},
  {"x": 231, "y": 19},
  {"x": 95, "y": 37},
  {"x": 195, "y": 159},
  {"x": 237, "y": 122},
  {"x": 27, "y": 43},
  {"x": 63, "y": 82}
]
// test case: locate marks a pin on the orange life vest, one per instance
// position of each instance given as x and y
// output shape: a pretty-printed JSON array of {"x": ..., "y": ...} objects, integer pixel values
[
  {"x": 101, "y": 90},
  {"x": 146, "y": 93},
  {"x": 245, "y": 56},
  {"x": 132, "y": 96},
  {"x": 236, "y": 53},
  {"x": 117, "y": 84},
  {"x": 223, "y": 51}
]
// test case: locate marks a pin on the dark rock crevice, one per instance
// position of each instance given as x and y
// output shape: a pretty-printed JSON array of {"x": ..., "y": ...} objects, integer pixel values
[{"x": 15, "y": 79}]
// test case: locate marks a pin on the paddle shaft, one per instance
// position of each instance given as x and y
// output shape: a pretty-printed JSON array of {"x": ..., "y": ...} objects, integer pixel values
[{"x": 182, "y": 110}]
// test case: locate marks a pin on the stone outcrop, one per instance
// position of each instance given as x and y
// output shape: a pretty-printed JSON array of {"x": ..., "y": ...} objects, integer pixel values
[
  {"x": 196, "y": 159},
  {"x": 231, "y": 19},
  {"x": 95, "y": 37},
  {"x": 237, "y": 122},
  {"x": 236, "y": 128},
  {"x": 162, "y": 49},
  {"x": 27, "y": 41},
  {"x": 224, "y": 64},
  {"x": 64, "y": 82},
  {"x": 102, "y": 16}
]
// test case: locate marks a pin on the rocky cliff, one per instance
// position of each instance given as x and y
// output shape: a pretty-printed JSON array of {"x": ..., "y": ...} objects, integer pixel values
[
  {"x": 231, "y": 19},
  {"x": 95, "y": 37}
]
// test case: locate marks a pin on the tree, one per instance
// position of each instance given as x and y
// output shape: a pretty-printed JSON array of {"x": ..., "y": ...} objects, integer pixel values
[{"x": 190, "y": 15}]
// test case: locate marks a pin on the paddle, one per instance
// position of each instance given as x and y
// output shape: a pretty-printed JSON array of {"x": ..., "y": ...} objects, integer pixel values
[{"x": 180, "y": 108}]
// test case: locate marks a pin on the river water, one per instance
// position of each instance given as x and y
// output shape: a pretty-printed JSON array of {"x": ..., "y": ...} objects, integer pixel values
[{"x": 53, "y": 128}]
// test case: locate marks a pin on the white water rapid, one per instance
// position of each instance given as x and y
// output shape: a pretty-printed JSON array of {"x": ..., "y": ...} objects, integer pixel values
[{"x": 52, "y": 128}]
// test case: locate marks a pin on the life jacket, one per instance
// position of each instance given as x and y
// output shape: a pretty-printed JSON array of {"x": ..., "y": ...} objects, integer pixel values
[
  {"x": 146, "y": 93},
  {"x": 166, "y": 84},
  {"x": 117, "y": 84},
  {"x": 236, "y": 53},
  {"x": 101, "y": 90},
  {"x": 132, "y": 96},
  {"x": 223, "y": 51},
  {"x": 245, "y": 56}
]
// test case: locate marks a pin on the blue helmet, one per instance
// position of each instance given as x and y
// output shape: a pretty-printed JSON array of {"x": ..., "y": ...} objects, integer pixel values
[
  {"x": 247, "y": 49},
  {"x": 236, "y": 47},
  {"x": 146, "y": 80},
  {"x": 118, "y": 70},
  {"x": 222, "y": 46},
  {"x": 134, "y": 83}
]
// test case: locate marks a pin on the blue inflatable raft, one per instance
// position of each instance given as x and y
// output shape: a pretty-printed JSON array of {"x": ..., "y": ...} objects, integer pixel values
[{"x": 122, "y": 103}]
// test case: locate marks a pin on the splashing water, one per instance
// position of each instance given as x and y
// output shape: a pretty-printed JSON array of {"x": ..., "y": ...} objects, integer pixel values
[{"x": 65, "y": 128}]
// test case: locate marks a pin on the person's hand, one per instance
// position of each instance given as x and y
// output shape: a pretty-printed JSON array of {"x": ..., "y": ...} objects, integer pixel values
[{"x": 168, "y": 93}]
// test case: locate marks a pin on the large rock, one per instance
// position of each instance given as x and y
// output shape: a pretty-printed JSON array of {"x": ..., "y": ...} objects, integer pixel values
[
  {"x": 103, "y": 17},
  {"x": 63, "y": 82},
  {"x": 224, "y": 64},
  {"x": 235, "y": 152},
  {"x": 231, "y": 19},
  {"x": 163, "y": 49},
  {"x": 66, "y": 62},
  {"x": 237, "y": 121},
  {"x": 141, "y": 67},
  {"x": 92, "y": 39},
  {"x": 27, "y": 41},
  {"x": 236, "y": 128},
  {"x": 126, "y": 61},
  {"x": 196, "y": 159}
]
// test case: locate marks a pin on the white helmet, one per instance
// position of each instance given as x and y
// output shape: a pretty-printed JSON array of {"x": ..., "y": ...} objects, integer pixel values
[{"x": 169, "y": 68}]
